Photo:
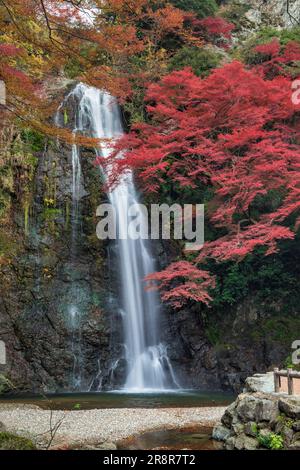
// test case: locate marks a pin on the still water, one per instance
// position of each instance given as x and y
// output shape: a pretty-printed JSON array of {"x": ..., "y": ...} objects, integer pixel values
[{"x": 119, "y": 399}]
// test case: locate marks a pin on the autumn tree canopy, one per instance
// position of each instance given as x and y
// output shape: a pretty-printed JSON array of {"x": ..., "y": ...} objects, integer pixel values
[{"x": 237, "y": 133}]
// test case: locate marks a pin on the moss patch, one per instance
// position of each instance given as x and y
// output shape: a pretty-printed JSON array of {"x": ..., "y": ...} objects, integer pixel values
[{"x": 10, "y": 441}]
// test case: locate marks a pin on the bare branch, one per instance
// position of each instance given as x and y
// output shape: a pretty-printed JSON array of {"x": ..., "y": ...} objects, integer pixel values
[{"x": 290, "y": 14}]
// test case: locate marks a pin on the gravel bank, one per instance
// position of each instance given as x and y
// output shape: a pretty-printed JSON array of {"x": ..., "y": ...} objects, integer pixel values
[{"x": 100, "y": 425}]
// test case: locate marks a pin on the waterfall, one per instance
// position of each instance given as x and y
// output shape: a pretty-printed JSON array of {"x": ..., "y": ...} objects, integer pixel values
[{"x": 148, "y": 366}]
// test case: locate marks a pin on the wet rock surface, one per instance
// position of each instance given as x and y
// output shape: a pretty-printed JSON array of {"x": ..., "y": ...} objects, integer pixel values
[{"x": 56, "y": 311}]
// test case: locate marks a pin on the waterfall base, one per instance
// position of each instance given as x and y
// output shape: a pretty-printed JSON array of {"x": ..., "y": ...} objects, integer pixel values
[{"x": 151, "y": 371}]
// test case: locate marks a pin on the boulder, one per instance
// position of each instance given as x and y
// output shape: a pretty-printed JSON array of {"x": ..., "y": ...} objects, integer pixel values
[
  {"x": 296, "y": 426},
  {"x": 221, "y": 433},
  {"x": 260, "y": 383},
  {"x": 295, "y": 444},
  {"x": 267, "y": 410},
  {"x": 287, "y": 434},
  {"x": 244, "y": 442},
  {"x": 247, "y": 408},
  {"x": 290, "y": 406},
  {"x": 230, "y": 443},
  {"x": 249, "y": 422},
  {"x": 250, "y": 429},
  {"x": 237, "y": 426},
  {"x": 228, "y": 415}
]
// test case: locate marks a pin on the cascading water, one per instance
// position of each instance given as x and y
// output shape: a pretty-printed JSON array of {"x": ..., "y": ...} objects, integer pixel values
[{"x": 148, "y": 366}]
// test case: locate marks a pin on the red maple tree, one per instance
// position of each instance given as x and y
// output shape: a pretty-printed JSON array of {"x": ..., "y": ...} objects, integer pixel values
[{"x": 236, "y": 132}]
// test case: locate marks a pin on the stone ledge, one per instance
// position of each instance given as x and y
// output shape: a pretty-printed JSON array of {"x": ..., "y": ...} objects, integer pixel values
[{"x": 260, "y": 419}]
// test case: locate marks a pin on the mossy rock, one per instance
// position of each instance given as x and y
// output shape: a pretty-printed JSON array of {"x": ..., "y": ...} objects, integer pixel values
[{"x": 10, "y": 441}]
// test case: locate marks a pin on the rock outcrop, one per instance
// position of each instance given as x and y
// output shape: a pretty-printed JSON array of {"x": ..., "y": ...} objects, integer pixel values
[{"x": 258, "y": 419}]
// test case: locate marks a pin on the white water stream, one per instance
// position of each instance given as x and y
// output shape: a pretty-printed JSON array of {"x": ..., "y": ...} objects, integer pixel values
[{"x": 148, "y": 365}]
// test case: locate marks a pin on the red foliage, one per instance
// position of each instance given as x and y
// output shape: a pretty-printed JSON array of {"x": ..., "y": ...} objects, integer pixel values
[
  {"x": 274, "y": 60},
  {"x": 216, "y": 26},
  {"x": 270, "y": 49},
  {"x": 213, "y": 29},
  {"x": 9, "y": 50},
  {"x": 235, "y": 132},
  {"x": 196, "y": 283}
]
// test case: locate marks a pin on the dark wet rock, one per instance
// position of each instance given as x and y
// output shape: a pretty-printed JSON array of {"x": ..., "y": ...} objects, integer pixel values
[
  {"x": 221, "y": 433},
  {"x": 296, "y": 426},
  {"x": 244, "y": 442},
  {"x": 56, "y": 298},
  {"x": 229, "y": 414},
  {"x": 250, "y": 429}
]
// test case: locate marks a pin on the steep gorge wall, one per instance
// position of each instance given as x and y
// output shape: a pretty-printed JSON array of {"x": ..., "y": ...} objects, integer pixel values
[{"x": 44, "y": 287}]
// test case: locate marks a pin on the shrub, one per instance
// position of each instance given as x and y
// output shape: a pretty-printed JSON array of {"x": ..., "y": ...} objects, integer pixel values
[
  {"x": 235, "y": 13},
  {"x": 202, "y": 8},
  {"x": 271, "y": 441},
  {"x": 202, "y": 61}
]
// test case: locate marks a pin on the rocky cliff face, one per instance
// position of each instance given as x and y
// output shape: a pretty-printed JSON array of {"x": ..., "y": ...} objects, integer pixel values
[
  {"x": 280, "y": 13},
  {"x": 220, "y": 349},
  {"x": 256, "y": 14},
  {"x": 57, "y": 310}
]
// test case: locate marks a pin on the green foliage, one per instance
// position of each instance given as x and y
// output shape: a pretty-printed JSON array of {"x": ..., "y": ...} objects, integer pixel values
[
  {"x": 271, "y": 441},
  {"x": 202, "y": 8},
  {"x": 77, "y": 406},
  {"x": 234, "y": 12},
  {"x": 50, "y": 213},
  {"x": 254, "y": 428},
  {"x": 273, "y": 277},
  {"x": 213, "y": 333},
  {"x": 5, "y": 202},
  {"x": 202, "y": 61},
  {"x": 134, "y": 109},
  {"x": 232, "y": 287},
  {"x": 8, "y": 247},
  {"x": 287, "y": 422},
  {"x": 288, "y": 364},
  {"x": 10, "y": 441},
  {"x": 73, "y": 68},
  {"x": 34, "y": 141},
  {"x": 279, "y": 329},
  {"x": 66, "y": 118},
  {"x": 284, "y": 36},
  {"x": 6, "y": 187},
  {"x": 49, "y": 202},
  {"x": 5, "y": 384}
]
